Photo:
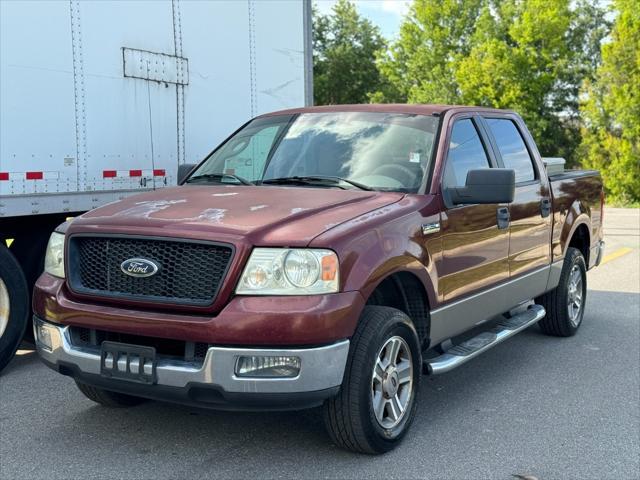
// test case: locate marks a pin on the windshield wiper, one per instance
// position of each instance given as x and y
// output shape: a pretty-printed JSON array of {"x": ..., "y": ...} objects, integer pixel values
[
  {"x": 219, "y": 177},
  {"x": 315, "y": 180}
]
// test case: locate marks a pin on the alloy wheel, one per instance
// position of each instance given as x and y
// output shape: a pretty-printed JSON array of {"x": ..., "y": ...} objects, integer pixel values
[
  {"x": 392, "y": 382},
  {"x": 575, "y": 296}
]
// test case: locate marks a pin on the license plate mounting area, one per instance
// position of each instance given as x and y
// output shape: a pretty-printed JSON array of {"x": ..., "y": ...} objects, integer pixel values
[{"x": 134, "y": 363}]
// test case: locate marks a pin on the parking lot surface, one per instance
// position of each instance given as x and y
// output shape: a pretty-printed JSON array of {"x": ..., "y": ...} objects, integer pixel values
[{"x": 534, "y": 405}]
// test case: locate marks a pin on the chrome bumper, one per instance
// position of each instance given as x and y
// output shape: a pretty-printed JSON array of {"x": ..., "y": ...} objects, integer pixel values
[{"x": 321, "y": 368}]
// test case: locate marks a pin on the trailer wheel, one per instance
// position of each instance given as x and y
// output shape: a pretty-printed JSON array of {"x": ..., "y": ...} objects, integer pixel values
[
  {"x": 14, "y": 305},
  {"x": 29, "y": 251}
]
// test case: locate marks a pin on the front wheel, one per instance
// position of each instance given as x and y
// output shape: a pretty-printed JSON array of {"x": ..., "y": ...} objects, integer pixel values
[
  {"x": 565, "y": 303},
  {"x": 108, "y": 398},
  {"x": 377, "y": 401}
]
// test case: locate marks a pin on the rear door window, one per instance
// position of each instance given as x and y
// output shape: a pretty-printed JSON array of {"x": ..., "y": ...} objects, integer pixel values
[
  {"x": 466, "y": 152},
  {"x": 512, "y": 148}
]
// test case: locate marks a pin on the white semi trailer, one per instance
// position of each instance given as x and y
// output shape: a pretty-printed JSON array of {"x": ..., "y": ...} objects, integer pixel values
[{"x": 101, "y": 100}]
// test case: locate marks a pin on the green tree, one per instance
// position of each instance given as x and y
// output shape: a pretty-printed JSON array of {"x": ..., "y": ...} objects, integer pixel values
[
  {"x": 519, "y": 60},
  {"x": 611, "y": 133},
  {"x": 530, "y": 56},
  {"x": 344, "y": 63},
  {"x": 420, "y": 66}
]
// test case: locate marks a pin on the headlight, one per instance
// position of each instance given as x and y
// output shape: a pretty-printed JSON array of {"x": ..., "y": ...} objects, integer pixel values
[
  {"x": 289, "y": 271},
  {"x": 54, "y": 259}
]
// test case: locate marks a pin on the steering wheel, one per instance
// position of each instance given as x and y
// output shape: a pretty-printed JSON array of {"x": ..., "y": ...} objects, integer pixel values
[{"x": 398, "y": 172}]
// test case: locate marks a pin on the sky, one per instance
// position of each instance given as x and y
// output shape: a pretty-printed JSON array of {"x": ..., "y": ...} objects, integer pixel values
[{"x": 386, "y": 14}]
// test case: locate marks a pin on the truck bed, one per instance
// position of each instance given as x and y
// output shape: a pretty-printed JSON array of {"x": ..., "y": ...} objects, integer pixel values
[{"x": 577, "y": 200}]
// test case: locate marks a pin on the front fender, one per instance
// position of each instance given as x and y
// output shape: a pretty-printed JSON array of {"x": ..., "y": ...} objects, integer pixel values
[
  {"x": 386, "y": 241},
  {"x": 379, "y": 253}
]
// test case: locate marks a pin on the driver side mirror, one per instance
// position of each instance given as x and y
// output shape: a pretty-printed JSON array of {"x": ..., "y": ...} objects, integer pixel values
[
  {"x": 184, "y": 170},
  {"x": 486, "y": 185}
]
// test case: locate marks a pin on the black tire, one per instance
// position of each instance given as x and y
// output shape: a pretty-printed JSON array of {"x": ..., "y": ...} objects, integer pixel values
[
  {"x": 349, "y": 417},
  {"x": 108, "y": 398},
  {"x": 16, "y": 287},
  {"x": 557, "y": 321},
  {"x": 29, "y": 251}
]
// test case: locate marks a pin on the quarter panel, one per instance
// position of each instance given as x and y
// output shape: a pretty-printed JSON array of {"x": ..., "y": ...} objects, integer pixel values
[{"x": 576, "y": 200}]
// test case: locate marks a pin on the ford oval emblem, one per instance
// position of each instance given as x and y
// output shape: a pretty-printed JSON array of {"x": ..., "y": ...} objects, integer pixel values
[{"x": 139, "y": 267}]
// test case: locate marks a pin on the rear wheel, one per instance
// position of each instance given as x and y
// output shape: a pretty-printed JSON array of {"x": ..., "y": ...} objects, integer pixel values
[
  {"x": 377, "y": 401},
  {"x": 565, "y": 303},
  {"x": 107, "y": 397},
  {"x": 14, "y": 301}
]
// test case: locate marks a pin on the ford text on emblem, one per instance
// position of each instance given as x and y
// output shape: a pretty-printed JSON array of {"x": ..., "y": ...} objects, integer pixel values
[{"x": 139, "y": 267}]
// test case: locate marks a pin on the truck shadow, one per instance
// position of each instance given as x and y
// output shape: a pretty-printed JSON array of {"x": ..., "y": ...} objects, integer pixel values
[
  {"x": 25, "y": 357},
  {"x": 505, "y": 381}
]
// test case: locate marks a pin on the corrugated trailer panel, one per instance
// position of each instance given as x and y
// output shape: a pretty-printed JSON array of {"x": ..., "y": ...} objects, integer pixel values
[
  {"x": 101, "y": 100},
  {"x": 126, "y": 118},
  {"x": 279, "y": 55},
  {"x": 217, "y": 99},
  {"x": 253, "y": 63},
  {"x": 37, "y": 124}
]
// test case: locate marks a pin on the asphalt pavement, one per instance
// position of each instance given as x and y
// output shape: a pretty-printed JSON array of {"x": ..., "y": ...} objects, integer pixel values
[{"x": 534, "y": 405}]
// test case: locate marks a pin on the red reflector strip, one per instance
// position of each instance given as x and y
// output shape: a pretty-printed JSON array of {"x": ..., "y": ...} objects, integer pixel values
[
  {"x": 4, "y": 175},
  {"x": 135, "y": 173},
  {"x": 34, "y": 175},
  {"x": 159, "y": 172},
  {"x": 109, "y": 174}
]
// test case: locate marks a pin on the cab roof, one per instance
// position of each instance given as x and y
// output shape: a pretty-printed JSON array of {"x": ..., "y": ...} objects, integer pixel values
[{"x": 413, "y": 108}]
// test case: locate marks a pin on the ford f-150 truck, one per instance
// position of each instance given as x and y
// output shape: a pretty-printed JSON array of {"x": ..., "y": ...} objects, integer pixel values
[{"x": 323, "y": 256}]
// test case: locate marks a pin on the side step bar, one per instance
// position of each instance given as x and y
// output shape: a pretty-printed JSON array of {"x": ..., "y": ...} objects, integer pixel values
[{"x": 465, "y": 351}]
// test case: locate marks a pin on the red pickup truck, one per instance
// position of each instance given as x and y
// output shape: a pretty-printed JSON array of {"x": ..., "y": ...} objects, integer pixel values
[{"x": 323, "y": 256}]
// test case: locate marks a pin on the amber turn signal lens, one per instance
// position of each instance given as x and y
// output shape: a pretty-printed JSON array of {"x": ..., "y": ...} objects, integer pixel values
[{"x": 329, "y": 267}]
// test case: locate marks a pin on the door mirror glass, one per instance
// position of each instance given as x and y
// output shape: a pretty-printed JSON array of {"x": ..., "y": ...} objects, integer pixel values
[
  {"x": 486, "y": 185},
  {"x": 184, "y": 170}
]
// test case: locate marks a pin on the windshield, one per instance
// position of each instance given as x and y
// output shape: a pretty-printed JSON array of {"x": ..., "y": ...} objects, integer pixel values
[{"x": 382, "y": 151}]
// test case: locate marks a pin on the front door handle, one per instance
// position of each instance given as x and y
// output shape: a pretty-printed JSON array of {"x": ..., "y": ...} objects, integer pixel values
[
  {"x": 503, "y": 218},
  {"x": 545, "y": 207}
]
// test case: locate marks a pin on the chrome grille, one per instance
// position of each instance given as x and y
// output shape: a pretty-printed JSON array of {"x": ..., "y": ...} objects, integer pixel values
[{"x": 189, "y": 273}]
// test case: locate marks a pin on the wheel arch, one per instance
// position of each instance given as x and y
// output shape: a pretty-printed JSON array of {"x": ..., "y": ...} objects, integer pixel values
[
  {"x": 405, "y": 290},
  {"x": 576, "y": 230},
  {"x": 580, "y": 239}
]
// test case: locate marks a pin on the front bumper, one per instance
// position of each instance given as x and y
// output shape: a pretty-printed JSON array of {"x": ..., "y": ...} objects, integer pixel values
[
  {"x": 257, "y": 321},
  {"x": 210, "y": 383}
]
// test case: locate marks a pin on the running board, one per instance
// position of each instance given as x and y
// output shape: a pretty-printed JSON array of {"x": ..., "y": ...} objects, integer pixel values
[{"x": 465, "y": 351}]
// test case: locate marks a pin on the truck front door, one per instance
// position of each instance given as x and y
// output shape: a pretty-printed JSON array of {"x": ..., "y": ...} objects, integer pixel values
[{"x": 475, "y": 249}]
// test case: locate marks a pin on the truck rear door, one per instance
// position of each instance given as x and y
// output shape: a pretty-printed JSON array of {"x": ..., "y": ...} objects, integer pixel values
[{"x": 530, "y": 212}]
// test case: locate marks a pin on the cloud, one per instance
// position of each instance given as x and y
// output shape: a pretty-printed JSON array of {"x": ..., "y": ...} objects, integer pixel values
[
  {"x": 396, "y": 7},
  {"x": 325, "y": 6},
  {"x": 386, "y": 14}
]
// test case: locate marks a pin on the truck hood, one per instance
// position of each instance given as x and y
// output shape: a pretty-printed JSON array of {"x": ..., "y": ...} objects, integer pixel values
[{"x": 262, "y": 215}]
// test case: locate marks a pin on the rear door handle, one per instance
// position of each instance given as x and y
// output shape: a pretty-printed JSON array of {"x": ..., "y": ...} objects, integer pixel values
[
  {"x": 503, "y": 218},
  {"x": 545, "y": 207}
]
